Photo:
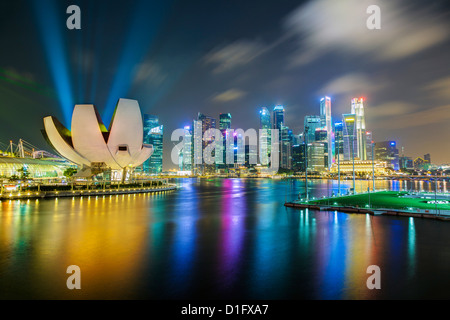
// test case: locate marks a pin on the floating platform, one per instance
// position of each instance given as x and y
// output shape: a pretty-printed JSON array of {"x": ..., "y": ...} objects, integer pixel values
[{"x": 388, "y": 203}]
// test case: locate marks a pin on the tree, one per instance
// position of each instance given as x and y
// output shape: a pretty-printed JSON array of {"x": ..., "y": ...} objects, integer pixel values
[
  {"x": 70, "y": 172},
  {"x": 24, "y": 174}
]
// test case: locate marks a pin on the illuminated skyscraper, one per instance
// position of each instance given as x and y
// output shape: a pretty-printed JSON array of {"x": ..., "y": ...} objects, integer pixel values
[
  {"x": 349, "y": 136},
  {"x": 207, "y": 123},
  {"x": 325, "y": 113},
  {"x": 153, "y": 134},
  {"x": 387, "y": 151},
  {"x": 224, "y": 124},
  {"x": 278, "y": 117},
  {"x": 265, "y": 138},
  {"x": 197, "y": 156},
  {"x": 277, "y": 124},
  {"x": 358, "y": 111},
  {"x": 368, "y": 145},
  {"x": 186, "y": 155},
  {"x": 285, "y": 144},
  {"x": 313, "y": 123},
  {"x": 339, "y": 141}
]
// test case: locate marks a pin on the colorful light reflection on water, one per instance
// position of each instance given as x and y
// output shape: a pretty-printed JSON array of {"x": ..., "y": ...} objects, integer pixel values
[{"x": 218, "y": 238}]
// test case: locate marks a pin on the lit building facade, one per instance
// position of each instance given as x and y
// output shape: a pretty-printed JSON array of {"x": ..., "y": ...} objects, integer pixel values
[
  {"x": 153, "y": 135},
  {"x": 349, "y": 136},
  {"x": 387, "y": 151},
  {"x": 325, "y": 113},
  {"x": 339, "y": 141},
  {"x": 207, "y": 123},
  {"x": 312, "y": 123},
  {"x": 299, "y": 157},
  {"x": 360, "y": 126},
  {"x": 224, "y": 125},
  {"x": 316, "y": 151},
  {"x": 361, "y": 167},
  {"x": 266, "y": 136}
]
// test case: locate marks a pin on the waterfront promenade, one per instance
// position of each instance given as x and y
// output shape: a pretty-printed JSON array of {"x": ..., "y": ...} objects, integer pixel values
[{"x": 81, "y": 193}]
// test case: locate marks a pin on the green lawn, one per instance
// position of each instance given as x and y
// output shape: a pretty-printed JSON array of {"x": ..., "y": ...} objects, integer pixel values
[{"x": 381, "y": 199}]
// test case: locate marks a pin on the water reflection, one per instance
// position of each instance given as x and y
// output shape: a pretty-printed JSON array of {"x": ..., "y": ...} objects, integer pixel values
[{"x": 218, "y": 238}]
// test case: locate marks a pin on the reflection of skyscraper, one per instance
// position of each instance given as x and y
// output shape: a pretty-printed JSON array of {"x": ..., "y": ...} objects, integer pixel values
[
  {"x": 349, "y": 135},
  {"x": 153, "y": 134},
  {"x": 325, "y": 113},
  {"x": 358, "y": 110}
]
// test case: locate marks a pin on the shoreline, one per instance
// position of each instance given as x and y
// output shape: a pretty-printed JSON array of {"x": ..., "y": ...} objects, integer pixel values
[{"x": 80, "y": 193}]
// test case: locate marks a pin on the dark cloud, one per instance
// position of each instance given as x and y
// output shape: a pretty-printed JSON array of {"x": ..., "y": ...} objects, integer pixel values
[{"x": 236, "y": 56}]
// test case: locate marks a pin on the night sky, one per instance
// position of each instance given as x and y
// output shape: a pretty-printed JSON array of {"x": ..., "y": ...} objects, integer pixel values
[{"x": 178, "y": 58}]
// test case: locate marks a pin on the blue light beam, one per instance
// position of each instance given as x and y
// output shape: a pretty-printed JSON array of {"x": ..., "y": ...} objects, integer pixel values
[{"x": 50, "y": 31}]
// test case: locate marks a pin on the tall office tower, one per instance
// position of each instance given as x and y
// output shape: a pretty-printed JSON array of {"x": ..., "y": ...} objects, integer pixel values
[
  {"x": 325, "y": 113},
  {"x": 153, "y": 134},
  {"x": 251, "y": 152},
  {"x": 358, "y": 110},
  {"x": 339, "y": 141},
  {"x": 322, "y": 137},
  {"x": 285, "y": 152},
  {"x": 427, "y": 158},
  {"x": 312, "y": 122},
  {"x": 316, "y": 151},
  {"x": 406, "y": 163},
  {"x": 387, "y": 151},
  {"x": 349, "y": 135},
  {"x": 369, "y": 145},
  {"x": 207, "y": 123},
  {"x": 197, "y": 155},
  {"x": 224, "y": 124},
  {"x": 299, "y": 157},
  {"x": 278, "y": 117},
  {"x": 277, "y": 123},
  {"x": 265, "y": 138},
  {"x": 186, "y": 154}
]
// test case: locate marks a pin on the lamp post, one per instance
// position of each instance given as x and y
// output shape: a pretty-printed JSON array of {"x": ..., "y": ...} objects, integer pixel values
[
  {"x": 373, "y": 170},
  {"x": 435, "y": 193},
  {"x": 306, "y": 162},
  {"x": 353, "y": 161},
  {"x": 339, "y": 172}
]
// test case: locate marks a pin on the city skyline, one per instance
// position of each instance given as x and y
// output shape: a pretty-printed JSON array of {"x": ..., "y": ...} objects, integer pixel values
[{"x": 401, "y": 70}]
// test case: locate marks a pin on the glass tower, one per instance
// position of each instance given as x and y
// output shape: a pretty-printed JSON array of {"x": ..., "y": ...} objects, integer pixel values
[
  {"x": 350, "y": 141},
  {"x": 358, "y": 111},
  {"x": 266, "y": 136},
  {"x": 153, "y": 134},
  {"x": 325, "y": 113}
]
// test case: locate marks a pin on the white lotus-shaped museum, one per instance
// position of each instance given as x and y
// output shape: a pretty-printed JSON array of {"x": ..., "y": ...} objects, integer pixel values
[{"x": 95, "y": 149}]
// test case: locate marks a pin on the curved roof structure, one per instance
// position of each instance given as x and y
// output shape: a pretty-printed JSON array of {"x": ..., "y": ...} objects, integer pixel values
[
  {"x": 91, "y": 144},
  {"x": 37, "y": 168}
]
